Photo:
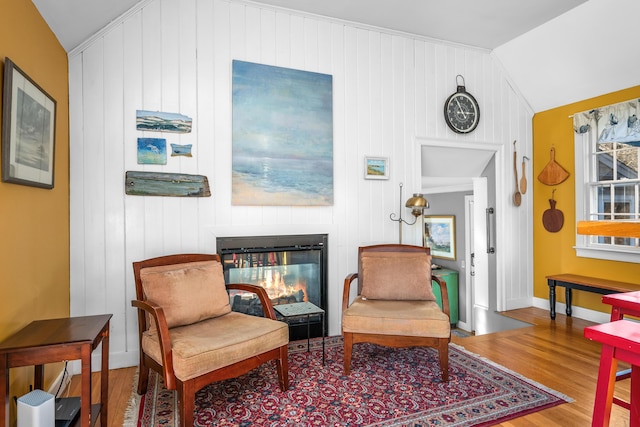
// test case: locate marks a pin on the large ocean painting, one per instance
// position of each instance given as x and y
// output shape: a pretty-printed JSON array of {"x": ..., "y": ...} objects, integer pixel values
[{"x": 282, "y": 136}]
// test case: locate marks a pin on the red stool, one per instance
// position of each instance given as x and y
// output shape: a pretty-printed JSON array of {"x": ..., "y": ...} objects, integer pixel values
[
  {"x": 627, "y": 303},
  {"x": 620, "y": 341}
]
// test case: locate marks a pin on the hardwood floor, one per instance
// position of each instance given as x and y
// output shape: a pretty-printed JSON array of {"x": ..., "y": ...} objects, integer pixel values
[{"x": 553, "y": 353}]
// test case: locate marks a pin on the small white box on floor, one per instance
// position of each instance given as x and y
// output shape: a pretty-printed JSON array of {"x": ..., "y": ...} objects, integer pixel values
[{"x": 36, "y": 409}]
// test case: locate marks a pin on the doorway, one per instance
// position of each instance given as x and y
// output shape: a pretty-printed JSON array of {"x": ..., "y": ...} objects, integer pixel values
[
  {"x": 450, "y": 166},
  {"x": 466, "y": 173},
  {"x": 481, "y": 298}
]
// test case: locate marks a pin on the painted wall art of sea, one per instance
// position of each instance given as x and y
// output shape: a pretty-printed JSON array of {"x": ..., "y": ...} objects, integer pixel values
[
  {"x": 143, "y": 183},
  {"x": 162, "y": 122},
  {"x": 282, "y": 136},
  {"x": 181, "y": 150},
  {"x": 152, "y": 151},
  {"x": 282, "y": 182}
]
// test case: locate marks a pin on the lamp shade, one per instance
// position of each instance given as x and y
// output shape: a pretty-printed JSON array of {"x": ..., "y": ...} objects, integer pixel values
[{"x": 417, "y": 202}]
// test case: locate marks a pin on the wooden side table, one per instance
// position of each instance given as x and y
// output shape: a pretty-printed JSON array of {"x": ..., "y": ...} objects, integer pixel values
[{"x": 57, "y": 340}]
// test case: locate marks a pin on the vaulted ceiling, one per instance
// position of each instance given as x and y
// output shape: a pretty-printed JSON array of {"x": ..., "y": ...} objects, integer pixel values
[
  {"x": 555, "y": 52},
  {"x": 482, "y": 23}
]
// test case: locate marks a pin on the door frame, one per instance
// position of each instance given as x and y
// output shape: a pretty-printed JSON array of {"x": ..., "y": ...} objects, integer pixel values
[
  {"x": 468, "y": 266},
  {"x": 500, "y": 202}
]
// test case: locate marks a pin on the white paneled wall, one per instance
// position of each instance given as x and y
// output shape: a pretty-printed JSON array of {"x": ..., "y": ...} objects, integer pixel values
[{"x": 175, "y": 56}]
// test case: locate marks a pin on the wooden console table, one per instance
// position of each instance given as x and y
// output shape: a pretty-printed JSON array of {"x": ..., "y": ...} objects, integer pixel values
[
  {"x": 57, "y": 340},
  {"x": 582, "y": 283}
]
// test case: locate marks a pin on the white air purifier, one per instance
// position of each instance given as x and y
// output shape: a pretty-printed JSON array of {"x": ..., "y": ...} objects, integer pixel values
[{"x": 36, "y": 409}]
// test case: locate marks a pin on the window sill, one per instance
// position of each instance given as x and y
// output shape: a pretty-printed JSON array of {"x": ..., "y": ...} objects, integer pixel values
[{"x": 608, "y": 254}]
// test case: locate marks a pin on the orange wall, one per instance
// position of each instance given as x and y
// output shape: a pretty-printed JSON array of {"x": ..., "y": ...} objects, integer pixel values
[
  {"x": 553, "y": 252},
  {"x": 34, "y": 222}
]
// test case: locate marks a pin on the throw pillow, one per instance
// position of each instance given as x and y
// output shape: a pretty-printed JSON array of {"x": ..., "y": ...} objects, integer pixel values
[
  {"x": 396, "y": 276},
  {"x": 189, "y": 292}
]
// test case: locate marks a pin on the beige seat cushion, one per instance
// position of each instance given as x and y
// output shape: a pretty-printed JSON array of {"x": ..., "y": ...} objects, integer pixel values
[
  {"x": 215, "y": 343},
  {"x": 408, "y": 318},
  {"x": 396, "y": 276},
  {"x": 188, "y": 293}
]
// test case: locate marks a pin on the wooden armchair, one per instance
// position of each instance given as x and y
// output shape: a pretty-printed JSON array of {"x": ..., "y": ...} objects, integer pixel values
[
  {"x": 190, "y": 336},
  {"x": 395, "y": 305}
]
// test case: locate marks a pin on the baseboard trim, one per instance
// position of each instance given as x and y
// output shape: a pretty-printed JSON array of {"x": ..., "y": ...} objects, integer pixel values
[
  {"x": 123, "y": 359},
  {"x": 576, "y": 311}
]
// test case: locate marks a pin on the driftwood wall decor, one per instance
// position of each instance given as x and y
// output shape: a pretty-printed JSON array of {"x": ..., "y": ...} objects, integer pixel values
[{"x": 166, "y": 184}]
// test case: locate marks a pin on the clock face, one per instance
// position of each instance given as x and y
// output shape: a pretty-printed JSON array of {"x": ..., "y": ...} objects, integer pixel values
[{"x": 461, "y": 112}]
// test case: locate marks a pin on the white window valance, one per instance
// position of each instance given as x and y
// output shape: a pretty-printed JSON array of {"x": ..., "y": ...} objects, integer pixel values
[{"x": 613, "y": 123}]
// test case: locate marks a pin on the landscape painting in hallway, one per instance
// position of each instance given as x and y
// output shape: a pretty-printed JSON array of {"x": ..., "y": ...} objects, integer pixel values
[{"x": 282, "y": 136}]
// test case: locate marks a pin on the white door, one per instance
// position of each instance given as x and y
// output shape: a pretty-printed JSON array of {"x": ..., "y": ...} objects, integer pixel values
[{"x": 480, "y": 293}]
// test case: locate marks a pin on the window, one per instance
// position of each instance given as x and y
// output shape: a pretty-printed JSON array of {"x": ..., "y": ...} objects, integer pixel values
[{"x": 607, "y": 144}]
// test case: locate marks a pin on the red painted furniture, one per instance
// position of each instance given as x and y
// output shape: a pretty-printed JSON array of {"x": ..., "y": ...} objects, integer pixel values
[
  {"x": 620, "y": 341},
  {"x": 625, "y": 303}
]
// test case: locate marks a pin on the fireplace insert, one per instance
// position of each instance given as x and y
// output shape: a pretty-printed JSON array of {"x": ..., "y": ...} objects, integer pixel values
[{"x": 291, "y": 268}]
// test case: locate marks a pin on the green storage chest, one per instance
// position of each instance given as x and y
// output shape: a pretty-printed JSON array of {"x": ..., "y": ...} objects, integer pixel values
[{"x": 451, "y": 278}]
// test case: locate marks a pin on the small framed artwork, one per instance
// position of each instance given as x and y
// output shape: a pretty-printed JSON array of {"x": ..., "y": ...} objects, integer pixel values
[
  {"x": 440, "y": 235},
  {"x": 28, "y": 130},
  {"x": 152, "y": 151},
  {"x": 181, "y": 150},
  {"x": 376, "y": 168}
]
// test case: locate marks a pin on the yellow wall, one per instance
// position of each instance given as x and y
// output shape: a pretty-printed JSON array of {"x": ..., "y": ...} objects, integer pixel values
[
  {"x": 34, "y": 222},
  {"x": 553, "y": 252}
]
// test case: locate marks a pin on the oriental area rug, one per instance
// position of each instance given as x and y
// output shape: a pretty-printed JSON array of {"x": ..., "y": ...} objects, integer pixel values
[{"x": 387, "y": 387}]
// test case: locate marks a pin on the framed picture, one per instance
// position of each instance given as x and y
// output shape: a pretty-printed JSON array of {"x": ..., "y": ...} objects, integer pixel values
[
  {"x": 376, "y": 168},
  {"x": 28, "y": 130},
  {"x": 440, "y": 235}
]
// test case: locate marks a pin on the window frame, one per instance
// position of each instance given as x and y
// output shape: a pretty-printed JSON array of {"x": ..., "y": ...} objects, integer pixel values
[{"x": 584, "y": 165}]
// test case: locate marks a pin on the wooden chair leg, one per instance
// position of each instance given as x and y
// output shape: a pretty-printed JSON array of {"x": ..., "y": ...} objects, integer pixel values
[
  {"x": 143, "y": 378},
  {"x": 348, "y": 348},
  {"x": 443, "y": 351},
  {"x": 186, "y": 402},
  {"x": 282, "y": 365}
]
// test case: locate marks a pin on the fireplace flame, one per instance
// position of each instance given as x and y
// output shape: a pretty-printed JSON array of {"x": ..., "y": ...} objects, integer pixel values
[{"x": 276, "y": 287}]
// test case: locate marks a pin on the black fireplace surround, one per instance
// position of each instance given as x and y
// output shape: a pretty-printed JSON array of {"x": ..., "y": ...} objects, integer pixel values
[{"x": 291, "y": 268}]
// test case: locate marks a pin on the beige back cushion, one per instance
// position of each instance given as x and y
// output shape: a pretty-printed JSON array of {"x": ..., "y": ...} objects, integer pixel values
[
  {"x": 188, "y": 292},
  {"x": 396, "y": 276}
]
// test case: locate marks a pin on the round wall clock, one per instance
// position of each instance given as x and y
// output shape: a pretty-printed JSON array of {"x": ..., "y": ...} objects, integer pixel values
[{"x": 461, "y": 110}]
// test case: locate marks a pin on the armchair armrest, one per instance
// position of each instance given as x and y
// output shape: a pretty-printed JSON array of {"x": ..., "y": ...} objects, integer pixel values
[
  {"x": 267, "y": 306},
  {"x": 444, "y": 293},
  {"x": 347, "y": 288},
  {"x": 156, "y": 313}
]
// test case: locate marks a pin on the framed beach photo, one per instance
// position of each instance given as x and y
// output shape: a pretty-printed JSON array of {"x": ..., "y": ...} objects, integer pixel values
[
  {"x": 28, "y": 130},
  {"x": 440, "y": 235},
  {"x": 376, "y": 167}
]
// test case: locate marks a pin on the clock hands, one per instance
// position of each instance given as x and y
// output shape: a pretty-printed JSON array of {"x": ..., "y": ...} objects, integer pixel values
[{"x": 460, "y": 107}]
